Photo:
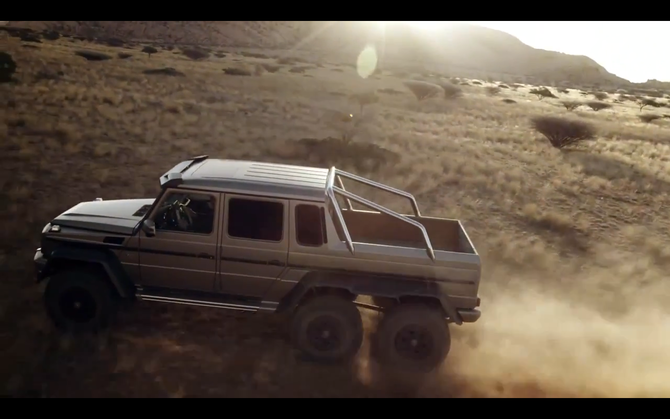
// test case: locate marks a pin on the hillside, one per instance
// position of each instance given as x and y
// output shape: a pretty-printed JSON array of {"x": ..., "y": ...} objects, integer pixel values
[
  {"x": 462, "y": 50},
  {"x": 573, "y": 242}
]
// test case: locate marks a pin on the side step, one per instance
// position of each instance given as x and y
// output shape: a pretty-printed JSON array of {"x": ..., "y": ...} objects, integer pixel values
[{"x": 204, "y": 299}]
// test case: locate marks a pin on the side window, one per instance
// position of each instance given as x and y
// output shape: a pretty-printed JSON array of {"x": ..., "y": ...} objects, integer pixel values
[
  {"x": 256, "y": 220},
  {"x": 310, "y": 225},
  {"x": 186, "y": 212}
]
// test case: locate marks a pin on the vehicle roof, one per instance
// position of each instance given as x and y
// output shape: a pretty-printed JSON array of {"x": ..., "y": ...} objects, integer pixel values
[{"x": 251, "y": 177}]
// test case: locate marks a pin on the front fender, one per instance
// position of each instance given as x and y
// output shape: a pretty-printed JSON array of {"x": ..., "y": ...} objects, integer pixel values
[{"x": 103, "y": 258}]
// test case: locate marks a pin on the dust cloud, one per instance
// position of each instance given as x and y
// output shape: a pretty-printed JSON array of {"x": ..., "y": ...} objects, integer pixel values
[
  {"x": 532, "y": 340},
  {"x": 590, "y": 336}
]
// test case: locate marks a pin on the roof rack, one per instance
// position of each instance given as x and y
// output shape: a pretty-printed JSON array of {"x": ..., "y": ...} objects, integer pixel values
[{"x": 336, "y": 175}]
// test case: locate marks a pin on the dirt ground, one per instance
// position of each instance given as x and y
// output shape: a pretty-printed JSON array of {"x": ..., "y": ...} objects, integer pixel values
[{"x": 574, "y": 244}]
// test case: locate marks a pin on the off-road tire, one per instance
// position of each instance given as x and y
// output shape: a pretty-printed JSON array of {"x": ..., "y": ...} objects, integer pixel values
[
  {"x": 412, "y": 337},
  {"x": 80, "y": 301},
  {"x": 327, "y": 329}
]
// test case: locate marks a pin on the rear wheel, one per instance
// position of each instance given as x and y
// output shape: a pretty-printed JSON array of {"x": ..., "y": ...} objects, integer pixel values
[
  {"x": 412, "y": 337},
  {"x": 80, "y": 301},
  {"x": 327, "y": 329}
]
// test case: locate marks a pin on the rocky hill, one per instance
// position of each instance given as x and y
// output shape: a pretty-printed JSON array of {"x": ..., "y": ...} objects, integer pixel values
[{"x": 459, "y": 49}]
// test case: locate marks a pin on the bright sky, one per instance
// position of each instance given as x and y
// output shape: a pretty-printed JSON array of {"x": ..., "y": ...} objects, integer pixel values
[{"x": 636, "y": 51}]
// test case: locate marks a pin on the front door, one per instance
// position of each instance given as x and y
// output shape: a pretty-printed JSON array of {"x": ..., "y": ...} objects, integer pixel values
[
  {"x": 254, "y": 245},
  {"x": 182, "y": 254}
]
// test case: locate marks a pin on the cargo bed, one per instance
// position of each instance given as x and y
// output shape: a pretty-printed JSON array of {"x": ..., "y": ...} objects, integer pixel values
[{"x": 382, "y": 226}]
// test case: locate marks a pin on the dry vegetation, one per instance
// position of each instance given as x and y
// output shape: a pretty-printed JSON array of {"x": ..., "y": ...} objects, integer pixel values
[{"x": 573, "y": 240}]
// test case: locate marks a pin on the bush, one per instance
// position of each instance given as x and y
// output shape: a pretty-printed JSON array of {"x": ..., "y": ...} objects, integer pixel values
[
  {"x": 598, "y": 106},
  {"x": 563, "y": 132},
  {"x": 149, "y": 51},
  {"x": 271, "y": 68},
  {"x": 509, "y": 101},
  {"x": 288, "y": 60},
  {"x": 364, "y": 99},
  {"x": 7, "y": 67},
  {"x": 571, "y": 105},
  {"x": 195, "y": 54},
  {"x": 424, "y": 90},
  {"x": 600, "y": 95},
  {"x": 237, "y": 72},
  {"x": 492, "y": 90},
  {"x": 542, "y": 92},
  {"x": 50, "y": 35},
  {"x": 644, "y": 102},
  {"x": 93, "y": 55},
  {"x": 647, "y": 118},
  {"x": 451, "y": 91}
]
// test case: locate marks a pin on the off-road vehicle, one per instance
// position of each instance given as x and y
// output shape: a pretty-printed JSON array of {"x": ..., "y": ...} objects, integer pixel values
[{"x": 274, "y": 238}]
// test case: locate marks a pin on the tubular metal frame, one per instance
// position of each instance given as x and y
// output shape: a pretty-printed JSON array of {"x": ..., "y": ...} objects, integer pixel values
[{"x": 336, "y": 175}]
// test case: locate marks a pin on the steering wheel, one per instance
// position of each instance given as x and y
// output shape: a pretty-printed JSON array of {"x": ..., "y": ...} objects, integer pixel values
[{"x": 186, "y": 211}]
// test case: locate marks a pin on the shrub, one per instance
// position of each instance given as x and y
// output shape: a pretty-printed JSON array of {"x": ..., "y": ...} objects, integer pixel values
[
  {"x": 542, "y": 92},
  {"x": 298, "y": 69},
  {"x": 600, "y": 95},
  {"x": 451, "y": 91},
  {"x": 364, "y": 99},
  {"x": 253, "y": 55},
  {"x": 93, "y": 55},
  {"x": 123, "y": 55},
  {"x": 113, "y": 42},
  {"x": 288, "y": 60},
  {"x": 50, "y": 35},
  {"x": 167, "y": 71},
  {"x": 271, "y": 68},
  {"x": 195, "y": 54},
  {"x": 509, "y": 101},
  {"x": 478, "y": 83},
  {"x": 644, "y": 102},
  {"x": 563, "y": 132},
  {"x": 571, "y": 105},
  {"x": 563, "y": 90},
  {"x": 237, "y": 72},
  {"x": 7, "y": 67},
  {"x": 492, "y": 90},
  {"x": 647, "y": 118},
  {"x": 598, "y": 106},
  {"x": 423, "y": 90},
  {"x": 149, "y": 51},
  {"x": 503, "y": 86}
]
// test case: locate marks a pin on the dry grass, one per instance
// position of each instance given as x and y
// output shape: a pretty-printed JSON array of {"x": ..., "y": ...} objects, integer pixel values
[{"x": 574, "y": 244}]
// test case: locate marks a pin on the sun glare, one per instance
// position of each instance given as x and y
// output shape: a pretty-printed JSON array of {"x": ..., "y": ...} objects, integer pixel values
[
  {"x": 422, "y": 24},
  {"x": 427, "y": 24}
]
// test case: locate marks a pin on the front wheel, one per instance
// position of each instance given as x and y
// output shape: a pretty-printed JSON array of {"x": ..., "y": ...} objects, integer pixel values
[
  {"x": 412, "y": 337},
  {"x": 327, "y": 329},
  {"x": 79, "y": 301}
]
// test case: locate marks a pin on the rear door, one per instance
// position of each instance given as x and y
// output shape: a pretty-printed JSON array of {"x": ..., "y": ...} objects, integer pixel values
[{"x": 254, "y": 245}]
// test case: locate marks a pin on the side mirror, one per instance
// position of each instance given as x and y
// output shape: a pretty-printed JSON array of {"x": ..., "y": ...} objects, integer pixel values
[{"x": 149, "y": 228}]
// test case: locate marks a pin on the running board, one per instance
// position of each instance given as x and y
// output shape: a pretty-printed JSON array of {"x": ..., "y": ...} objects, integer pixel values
[{"x": 204, "y": 300}]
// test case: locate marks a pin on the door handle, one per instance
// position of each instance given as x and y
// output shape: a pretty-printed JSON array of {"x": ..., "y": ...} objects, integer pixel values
[
  {"x": 205, "y": 256},
  {"x": 275, "y": 262}
]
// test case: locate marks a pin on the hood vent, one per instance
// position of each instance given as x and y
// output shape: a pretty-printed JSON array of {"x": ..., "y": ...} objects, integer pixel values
[{"x": 142, "y": 211}]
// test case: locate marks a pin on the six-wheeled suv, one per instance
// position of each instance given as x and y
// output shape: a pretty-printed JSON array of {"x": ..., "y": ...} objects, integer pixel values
[{"x": 273, "y": 238}]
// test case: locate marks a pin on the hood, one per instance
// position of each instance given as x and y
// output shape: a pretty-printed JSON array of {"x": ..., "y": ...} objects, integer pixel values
[{"x": 119, "y": 216}]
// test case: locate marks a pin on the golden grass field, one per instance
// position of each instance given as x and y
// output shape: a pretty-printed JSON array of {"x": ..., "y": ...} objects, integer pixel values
[{"x": 575, "y": 295}]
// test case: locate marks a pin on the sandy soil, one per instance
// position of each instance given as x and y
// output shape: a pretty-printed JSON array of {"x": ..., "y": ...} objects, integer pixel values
[{"x": 574, "y": 244}]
